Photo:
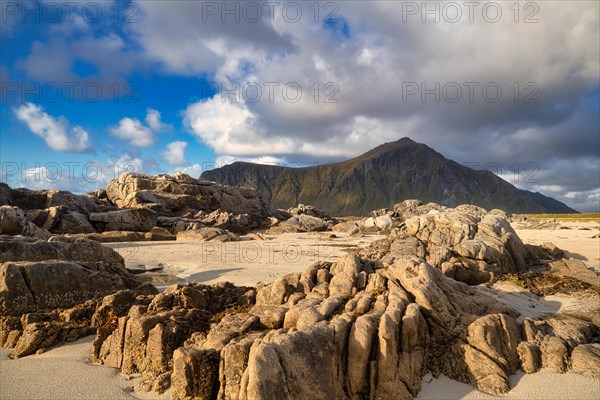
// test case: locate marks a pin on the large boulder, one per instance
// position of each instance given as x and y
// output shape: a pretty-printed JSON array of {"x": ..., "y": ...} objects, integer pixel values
[
  {"x": 585, "y": 359},
  {"x": 135, "y": 219},
  {"x": 301, "y": 223},
  {"x": 206, "y": 234},
  {"x": 575, "y": 269},
  {"x": 468, "y": 243},
  {"x": 180, "y": 191},
  {"x": 59, "y": 219},
  {"x": 42, "y": 199},
  {"x": 57, "y": 248},
  {"x": 28, "y": 286},
  {"x": 13, "y": 222}
]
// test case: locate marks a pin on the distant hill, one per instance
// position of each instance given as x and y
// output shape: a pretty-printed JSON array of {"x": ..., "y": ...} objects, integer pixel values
[{"x": 382, "y": 177}]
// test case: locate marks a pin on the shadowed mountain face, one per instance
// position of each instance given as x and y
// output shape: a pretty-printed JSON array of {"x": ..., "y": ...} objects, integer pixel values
[{"x": 382, "y": 177}]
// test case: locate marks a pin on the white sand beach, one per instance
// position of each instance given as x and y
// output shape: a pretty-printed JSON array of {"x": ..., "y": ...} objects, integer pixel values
[
  {"x": 246, "y": 262},
  {"x": 576, "y": 238},
  {"x": 64, "y": 373}
]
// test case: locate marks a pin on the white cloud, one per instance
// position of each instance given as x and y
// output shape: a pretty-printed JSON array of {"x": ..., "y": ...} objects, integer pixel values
[
  {"x": 231, "y": 129},
  {"x": 153, "y": 119},
  {"x": 175, "y": 153},
  {"x": 268, "y": 160},
  {"x": 54, "y": 131},
  {"x": 559, "y": 53},
  {"x": 76, "y": 177},
  {"x": 194, "y": 170},
  {"x": 114, "y": 167},
  {"x": 587, "y": 201},
  {"x": 134, "y": 131}
]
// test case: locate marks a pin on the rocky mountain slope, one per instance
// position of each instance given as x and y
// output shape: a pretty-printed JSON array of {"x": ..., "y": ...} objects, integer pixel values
[{"x": 382, "y": 177}]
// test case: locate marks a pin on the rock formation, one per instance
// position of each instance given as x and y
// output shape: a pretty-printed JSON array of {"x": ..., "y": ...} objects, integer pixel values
[
  {"x": 369, "y": 325},
  {"x": 135, "y": 203}
]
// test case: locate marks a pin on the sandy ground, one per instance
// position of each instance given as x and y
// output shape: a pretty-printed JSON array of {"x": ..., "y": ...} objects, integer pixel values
[
  {"x": 63, "y": 373},
  {"x": 247, "y": 262},
  {"x": 541, "y": 385},
  {"x": 576, "y": 238}
]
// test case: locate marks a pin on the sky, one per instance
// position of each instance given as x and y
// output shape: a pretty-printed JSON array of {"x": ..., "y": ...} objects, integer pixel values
[{"x": 93, "y": 89}]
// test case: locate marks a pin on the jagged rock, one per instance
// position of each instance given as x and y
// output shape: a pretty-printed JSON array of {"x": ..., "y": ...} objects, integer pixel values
[
  {"x": 171, "y": 194},
  {"x": 555, "y": 355},
  {"x": 415, "y": 339},
  {"x": 553, "y": 250},
  {"x": 361, "y": 343},
  {"x": 230, "y": 326},
  {"x": 270, "y": 317},
  {"x": 135, "y": 219},
  {"x": 279, "y": 291},
  {"x": 468, "y": 243},
  {"x": 530, "y": 357},
  {"x": 351, "y": 228},
  {"x": 234, "y": 361},
  {"x": 301, "y": 223},
  {"x": 575, "y": 269},
  {"x": 29, "y": 286},
  {"x": 143, "y": 341},
  {"x": 239, "y": 223},
  {"x": 362, "y": 327},
  {"x": 585, "y": 359},
  {"x": 302, "y": 364},
  {"x": 108, "y": 347},
  {"x": 485, "y": 374},
  {"x": 403, "y": 249},
  {"x": 159, "y": 234},
  {"x": 35, "y": 336},
  {"x": 444, "y": 300},
  {"x": 59, "y": 219},
  {"x": 207, "y": 234},
  {"x": 118, "y": 304},
  {"x": 114, "y": 236},
  {"x": 497, "y": 335},
  {"x": 408, "y": 208},
  {"x": 195, "y": 374},
  {"x": 344, "y": 274},
  {"x": 312, "y": 211},
  {"x": 384, "y": 222},
  {"x": 13, "y": 222},
  {"x": 72, "y": 222},
  {"x": 521, "y": 222},
  {"x": 56, "y": 248},
  {"x": 42, "y": 199}
]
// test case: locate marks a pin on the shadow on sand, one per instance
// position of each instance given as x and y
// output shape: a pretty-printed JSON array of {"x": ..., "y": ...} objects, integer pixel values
[{"x": 210, "y": 275}]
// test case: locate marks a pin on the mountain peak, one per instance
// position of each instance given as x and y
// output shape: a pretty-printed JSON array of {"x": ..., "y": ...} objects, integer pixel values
[{"x": 386, "y": 175}]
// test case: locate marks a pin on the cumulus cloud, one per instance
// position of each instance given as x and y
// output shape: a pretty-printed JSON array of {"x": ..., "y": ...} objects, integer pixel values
[
  {"x": 153, "y": 119},
  {"x": 175, "y": 153},
  {"x": 194, "y": 170},
  {"x": 134, "y": 131},
  {"x": 55, "y": 131},
  {"x": 379, "y": 68},
  {"x": 547, "y": 73},
  {"x": 231, "y": 129},
  {"x": 138, "y": 134},
  {"x": 75, "y": 176},
  {"x": 267, "y": 160}
]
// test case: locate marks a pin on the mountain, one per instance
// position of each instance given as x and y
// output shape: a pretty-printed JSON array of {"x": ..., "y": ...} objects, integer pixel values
[{"x": 382, "y": 177}]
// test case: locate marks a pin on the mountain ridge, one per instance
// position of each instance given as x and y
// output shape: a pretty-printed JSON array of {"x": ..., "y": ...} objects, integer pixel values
[{"x": 381, "y": 177}]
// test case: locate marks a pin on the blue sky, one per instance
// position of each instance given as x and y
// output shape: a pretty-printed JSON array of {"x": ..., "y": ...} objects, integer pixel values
[{"x": 189, "y": 85}]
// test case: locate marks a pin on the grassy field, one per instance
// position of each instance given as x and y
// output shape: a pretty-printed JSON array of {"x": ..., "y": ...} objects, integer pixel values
[{"x": 565, "y": 217}]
